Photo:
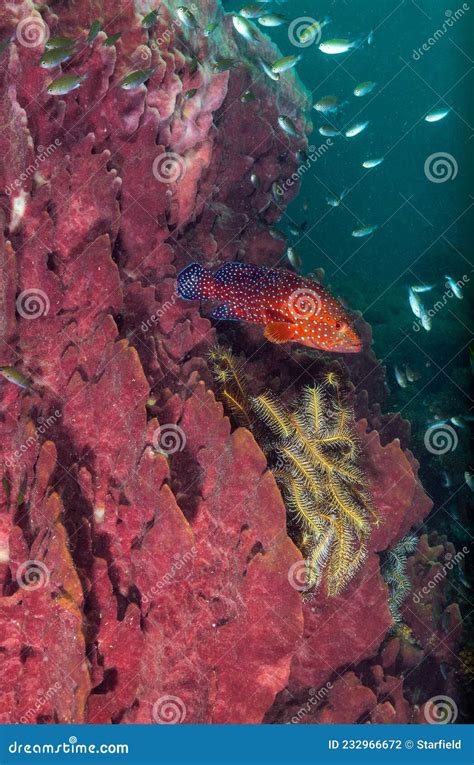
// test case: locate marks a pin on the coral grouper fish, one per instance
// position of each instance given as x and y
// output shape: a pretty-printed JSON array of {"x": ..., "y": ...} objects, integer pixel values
[{"x": 289, "y": 307}]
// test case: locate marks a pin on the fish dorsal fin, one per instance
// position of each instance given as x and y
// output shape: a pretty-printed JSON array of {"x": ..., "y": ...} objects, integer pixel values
[{"x": 280, "y": 332}]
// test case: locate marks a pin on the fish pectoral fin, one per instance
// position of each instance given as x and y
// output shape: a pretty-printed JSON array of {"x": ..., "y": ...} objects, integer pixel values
[{"x": 280, "y": 332}]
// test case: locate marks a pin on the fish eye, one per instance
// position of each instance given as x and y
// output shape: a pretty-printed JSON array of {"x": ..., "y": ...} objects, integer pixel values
[{"x": 338, "y": 325}]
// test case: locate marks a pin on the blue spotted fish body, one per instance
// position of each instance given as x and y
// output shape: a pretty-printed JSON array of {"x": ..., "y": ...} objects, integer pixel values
[{"x": 290, "y": 307}]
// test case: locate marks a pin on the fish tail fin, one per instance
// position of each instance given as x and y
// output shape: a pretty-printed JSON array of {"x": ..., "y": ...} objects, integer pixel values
[{"x": 195, "y": 283}]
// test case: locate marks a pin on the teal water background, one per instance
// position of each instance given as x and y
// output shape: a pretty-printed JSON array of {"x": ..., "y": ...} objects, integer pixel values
[{"x": 425, "y": 227}]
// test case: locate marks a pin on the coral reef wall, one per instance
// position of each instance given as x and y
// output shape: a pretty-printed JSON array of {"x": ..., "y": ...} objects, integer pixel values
[{"x": 144, "y": 554}]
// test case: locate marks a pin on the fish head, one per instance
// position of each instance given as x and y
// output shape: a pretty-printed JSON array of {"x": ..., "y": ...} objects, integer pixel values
[
  {"x": 342, "y": 337},
  {"x": 333, "y": 330}
]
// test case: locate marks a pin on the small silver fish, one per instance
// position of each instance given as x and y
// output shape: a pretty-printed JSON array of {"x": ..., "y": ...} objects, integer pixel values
[
  {"x": 294, "y": 259},
  {"x": 364, "y": 88},
  {"x": 135, "y": 79},
  {"x": 437, "y": 115},
  {"x": 415, "y": 303},
  {"x": 454, "y": 286},
  {"x": 425, "y": 319},
  {"x": 288, "y": 126},
  {"x": 268, "y": 71},
  {"x": 328, "y": 105},
  {"x": 244, "y": 28},
  {"x": 253, "y": 11},
  {"x": 400, "y": 377},
  {"x": 285, "y": 63},
  {"x": 329, "y": 131},
  {"x": 372, "y": 162},
  {"x": 255, "y": 181},
  {"x": 469, "y": 478},
  {"x": 272, "y": 20},
  {"x": 186, "y": 17},
  {"x": 338, "y": 45},
  {"x": 65, "y": 84},
  {"x": 422, "y": 287},
  {"x": 309, "y": 33},
  {"x": 55, "y": 56},
  {"x": 446, "y": 482},
  {"x": 336, "y": 201},
  {"x": 365, "y": 230},
  {"x": 410, "y": 374},
  {"x": 355, "y": 129},
  {"x": 14, "y": 376},
  {"x": 276, "y": 234}
]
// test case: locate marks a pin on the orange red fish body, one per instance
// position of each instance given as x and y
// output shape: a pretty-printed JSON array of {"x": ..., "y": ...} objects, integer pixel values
[{"x": 291, "y": 308}]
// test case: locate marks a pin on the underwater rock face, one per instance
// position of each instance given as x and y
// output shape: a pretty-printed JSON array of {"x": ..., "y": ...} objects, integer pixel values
[{"x": 143, "y": 546}]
